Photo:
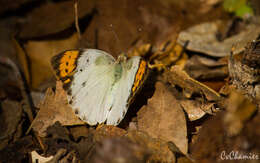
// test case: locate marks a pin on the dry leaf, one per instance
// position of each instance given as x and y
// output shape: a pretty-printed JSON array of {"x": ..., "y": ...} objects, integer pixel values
[
  {"x": 158, "y": 148},
  {"x": 108, "y": 131},
  {"x": 169, "y": 53},
  {"x": 38, "y": 158},
  {"x": 54, "y": 108},
  {"x": 141, "y": 50},
  {"x": 164, "y": 118},
  {"x": 119, "y": 150},
  {"x": 40, "y": 53},
  {"x": 53, "y": 17},
  {"x": 78, "y": 132},
  {"x": 176, "y": 76},
  {"x": 202, "y": 38},
  {"x": 193, "y": 109},
  {"x": 206, "y": 69},
  {"x": 239, "y": 109},
  {"x": 11, "y": 121}
]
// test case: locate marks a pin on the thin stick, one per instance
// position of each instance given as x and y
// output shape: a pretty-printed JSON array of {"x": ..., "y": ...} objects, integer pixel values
[{"x": 77, "y": 18}]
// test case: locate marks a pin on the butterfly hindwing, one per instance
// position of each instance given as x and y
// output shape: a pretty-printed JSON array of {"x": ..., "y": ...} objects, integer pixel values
[
  {"x": 91, "y": 86},
  {"x": 99, "y": 88},
  {"x": 126, "y": 88}
]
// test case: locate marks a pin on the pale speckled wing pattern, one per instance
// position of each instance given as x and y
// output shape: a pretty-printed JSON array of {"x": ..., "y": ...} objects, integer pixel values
[{"x": 100, "y": 87}]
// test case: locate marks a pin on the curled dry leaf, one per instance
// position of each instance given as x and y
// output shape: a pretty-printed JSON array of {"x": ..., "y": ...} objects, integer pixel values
[
  {"x": 176, "y": 76},
  {"x": 38, "y": 158},
  {"x": 196, "y": 109},
  {"x": 206, "y": 69},
  {"x": 169, "y": 53},
  {"x": 239, "y": 109},
  {"x": 192, "y": 108},
  {"x": 141, "y": 50},
  {"x": 164, "y": 118},
  {"x": 202, "y": 38},
  {"x": 54, "y": 108}
]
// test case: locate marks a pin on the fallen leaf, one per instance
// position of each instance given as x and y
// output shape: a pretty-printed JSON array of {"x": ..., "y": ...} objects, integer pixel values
[
  {"x": 17, "y": 151},
  {"x": 108, "y": 131},
  {"x": 176, "y": 76},
  {"x": 78, "y": 132},
  {"x": 13, "y": 6},
  {"x": 169, "y": 53},
  {"x": 239, "y": 110},
  {"x": 11, "y": 117},
  {"x": 206, "y": 69},
  {"x": 140, "y": 50},
  {"x": 38, "y": 158},
  {"x": 54, "y": 108},
  {"x": 40, "y": 54},
  {"x": 119, "y": 149},
  {"x": 53, "y": 17},
  {"x": 202, "y": 38},
  {"x": 193, "y": 109},
  {"x": 158, "y": 149},
  {"x": 164, "y": 118}
]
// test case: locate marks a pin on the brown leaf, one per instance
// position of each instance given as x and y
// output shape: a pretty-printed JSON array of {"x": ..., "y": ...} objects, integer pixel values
[
  {"x": 169, "y": 53},
  {"x": 140, "y": 50},
  {"x": 206, "y": 69},
  {"x": 108, "y": 131},
  {"x": 163, "y": 118},
  {"x": 11, "y": 116},
  {"x": 202, "y": 38},
  {"x": 117, "y": 150},
  {"x": 193, "y": 109},
  {"x": 51, "y": 18},
  {"x": 158, "y": 148},
  {"x": 176, "y": 76},
  {"x": 239, "y": 109},
  {"x": 40, "y": 53},
  {"x": 54, "y": 108}
]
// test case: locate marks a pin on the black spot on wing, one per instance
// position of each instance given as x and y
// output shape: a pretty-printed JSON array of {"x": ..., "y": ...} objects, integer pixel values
[
  {"x": 69, "y": 92},
  {"x": 83, "y": 84}
]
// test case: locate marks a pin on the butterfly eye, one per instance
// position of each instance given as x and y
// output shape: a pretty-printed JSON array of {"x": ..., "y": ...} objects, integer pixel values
[{"x": 80, "y": 70}]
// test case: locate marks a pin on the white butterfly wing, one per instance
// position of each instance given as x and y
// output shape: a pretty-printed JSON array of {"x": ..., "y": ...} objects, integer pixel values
[
  {"x": 122, "y": 91},
  {"x": 91, "y": 86}
]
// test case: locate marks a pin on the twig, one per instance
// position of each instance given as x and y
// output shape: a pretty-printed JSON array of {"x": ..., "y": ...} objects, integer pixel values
[{"x": 77, "y": 18}]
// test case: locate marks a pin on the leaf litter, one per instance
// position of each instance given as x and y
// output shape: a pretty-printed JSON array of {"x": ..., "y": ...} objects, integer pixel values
[{"x": 194, "y": 111}]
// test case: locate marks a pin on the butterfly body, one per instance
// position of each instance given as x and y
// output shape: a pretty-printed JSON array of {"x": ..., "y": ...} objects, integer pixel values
[{"x": 99, "y": 87}]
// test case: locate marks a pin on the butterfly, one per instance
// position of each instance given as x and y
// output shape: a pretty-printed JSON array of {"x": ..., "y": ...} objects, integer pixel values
[{"x": 99, "y": 88}]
